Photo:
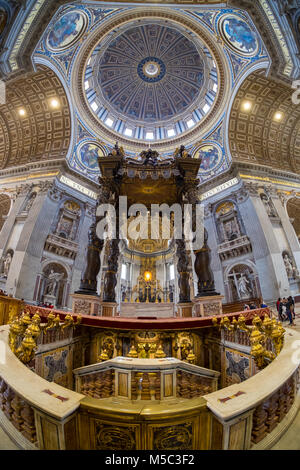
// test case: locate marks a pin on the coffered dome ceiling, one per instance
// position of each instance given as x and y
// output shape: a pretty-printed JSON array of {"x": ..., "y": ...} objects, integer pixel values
[
  {"x": 150, "y": 73},
  {"x": 163, "y": 76},
  {"x": 30, "y": 128},
  {"x": 153, "y": 81}
]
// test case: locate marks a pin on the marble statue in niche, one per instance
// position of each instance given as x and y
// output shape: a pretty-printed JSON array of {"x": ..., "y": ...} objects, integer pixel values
[
  {"x": 7, "y": 263},
  {"x": 291, "y": 270},
  {"x": 243, "y": 283},
  {"x": 52, "y": 282},
  {"x": 30, "y": 202},
  {"x": 270, "y": 209}
]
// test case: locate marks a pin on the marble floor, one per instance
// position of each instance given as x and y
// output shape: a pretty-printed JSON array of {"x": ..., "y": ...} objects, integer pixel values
[{"x": 5, "y": 442}]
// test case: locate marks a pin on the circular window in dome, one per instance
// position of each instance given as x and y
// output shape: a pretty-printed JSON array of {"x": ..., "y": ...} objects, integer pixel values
[
  {"x": 239, "y": 35},
  {"x": 210, "y": 155},
  {"x": 67, "y": 30},
  {"x": 88, "y": 154}
]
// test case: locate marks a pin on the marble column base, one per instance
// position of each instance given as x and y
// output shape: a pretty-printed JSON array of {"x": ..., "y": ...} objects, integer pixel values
[
  {"x": 185, "y": 310},
  {"x": 208, "y": 306},
  {"x": 86, "y": 304},
  {"x": 109, "y": 309}
]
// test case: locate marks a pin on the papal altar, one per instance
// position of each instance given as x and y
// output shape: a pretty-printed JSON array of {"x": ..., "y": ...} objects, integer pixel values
[{"x": 147, "y": 309}]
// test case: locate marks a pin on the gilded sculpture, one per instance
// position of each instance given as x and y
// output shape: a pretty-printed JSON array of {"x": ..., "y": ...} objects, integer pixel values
[{"x": 262, "y": 334}]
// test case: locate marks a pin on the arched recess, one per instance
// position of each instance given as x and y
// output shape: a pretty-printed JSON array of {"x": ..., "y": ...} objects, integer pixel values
[
  {"x": 228, "y": 221},
  {"x": 5, "y": 205},
  {"x": 241, "y": 282},
  {"x": 256, "y": 136},
  {"x": 43, "y": 131},
  {"x": 53, "y": 283}
]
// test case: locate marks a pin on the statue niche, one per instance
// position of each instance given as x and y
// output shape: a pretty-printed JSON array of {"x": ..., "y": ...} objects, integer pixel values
[
  {"x": 290, "y": 266},
  {"x": 7, "y": 260},
  {"x": 228, "y": 222},
  {"x": 68, "y": 220},
  {"x": 242, "y": 283},
  {"x": 269, "y": 206},
  {"x": 54, "y": 285}
]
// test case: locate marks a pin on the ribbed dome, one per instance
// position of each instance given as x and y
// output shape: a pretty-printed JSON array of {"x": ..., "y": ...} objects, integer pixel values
[
  {"x": 151, "y": 79},
  {"x": 151, "y": 73}
]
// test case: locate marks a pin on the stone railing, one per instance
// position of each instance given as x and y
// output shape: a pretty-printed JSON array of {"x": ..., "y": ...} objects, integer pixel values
[
  {"x": 233, "y": 248},
  {"x": 250, "y": 415},
  {"x": 255, "y": 413},
  {"x": 34, "y": 412},
  {"x": 61, "y": 246},
  {"x": 145, "y": 379}
]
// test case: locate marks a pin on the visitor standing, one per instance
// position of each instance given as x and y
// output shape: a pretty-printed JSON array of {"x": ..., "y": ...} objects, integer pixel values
[{"x": 289, "y": 310}]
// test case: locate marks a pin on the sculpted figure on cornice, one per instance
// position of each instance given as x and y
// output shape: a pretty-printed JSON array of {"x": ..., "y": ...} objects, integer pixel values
[
  {"x": 150, "y": 157},
  {"x": 117, "y": 151},
  {"x": 182, "y": 153},
  {"x": 55, "y": 194},
  {"x": 23, "y": 190},
  {"x": 241, "y": 195},
  {"x": 44, "y": 186},
  {"x": 283, "y": 197},
  {"x": 271, "y": 191},
  {"x": 252, "y": 188}
]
